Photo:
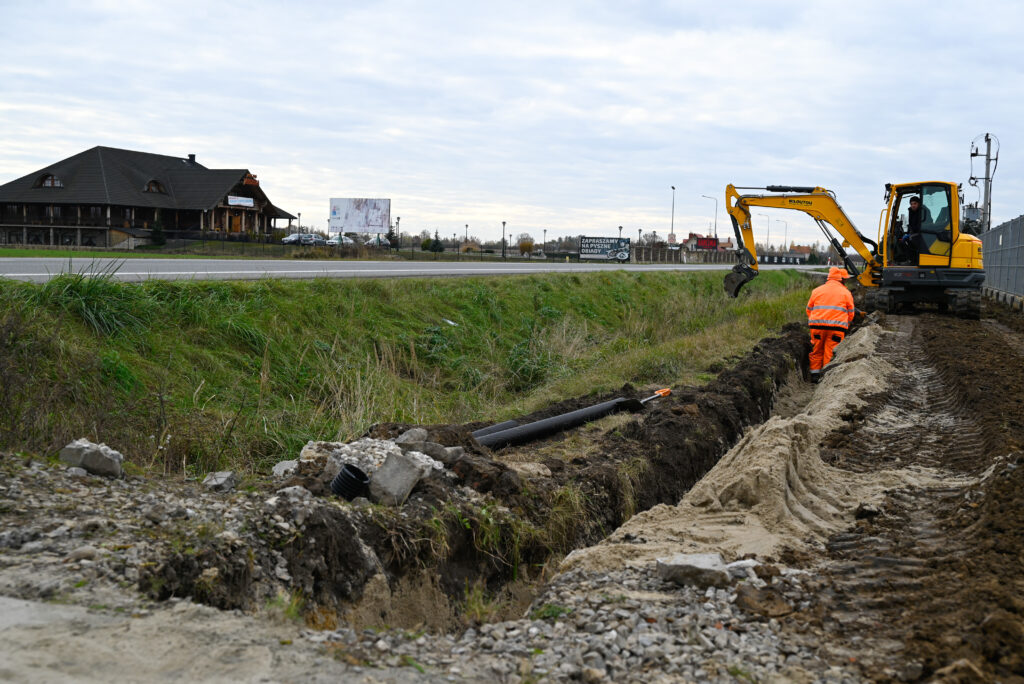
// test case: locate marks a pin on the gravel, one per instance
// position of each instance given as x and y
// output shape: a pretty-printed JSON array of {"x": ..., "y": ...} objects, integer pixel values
[{"x": 626, "y": 626}]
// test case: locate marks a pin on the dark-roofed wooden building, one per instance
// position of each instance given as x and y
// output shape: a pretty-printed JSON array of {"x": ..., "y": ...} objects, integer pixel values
[{"x": 113, "y": 198}]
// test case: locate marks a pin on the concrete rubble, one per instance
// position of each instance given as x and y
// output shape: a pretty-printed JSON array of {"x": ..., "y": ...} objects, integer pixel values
[
  {"x": 222, "y": 481},
  {"x": 98, "y": 459},
  {"x": 700, "y": 570}
]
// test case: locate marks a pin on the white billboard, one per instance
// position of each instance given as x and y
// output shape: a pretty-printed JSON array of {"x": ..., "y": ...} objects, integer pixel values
[{"x": 359, "y": 215}]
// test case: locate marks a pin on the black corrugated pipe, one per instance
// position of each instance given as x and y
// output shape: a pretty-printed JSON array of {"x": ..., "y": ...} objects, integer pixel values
[
  {"x": 498, "y": 427},
  {"x": 549, "y": 426}
]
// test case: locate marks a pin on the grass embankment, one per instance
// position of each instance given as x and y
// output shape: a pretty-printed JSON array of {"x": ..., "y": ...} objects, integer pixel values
[{"x": 191, "y": 377}]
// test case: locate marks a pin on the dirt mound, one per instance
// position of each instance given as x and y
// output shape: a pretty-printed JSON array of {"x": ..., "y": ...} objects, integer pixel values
[{"x": 771, "y": 491}]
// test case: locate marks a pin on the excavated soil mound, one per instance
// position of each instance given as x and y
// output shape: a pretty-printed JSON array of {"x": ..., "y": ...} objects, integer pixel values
[{"x": 771, "y": 494}]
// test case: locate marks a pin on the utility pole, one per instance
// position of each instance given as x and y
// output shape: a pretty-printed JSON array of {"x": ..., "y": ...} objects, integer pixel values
[
  {"x": 503, "y": 257},
  {"x": 990, "y": 168}
]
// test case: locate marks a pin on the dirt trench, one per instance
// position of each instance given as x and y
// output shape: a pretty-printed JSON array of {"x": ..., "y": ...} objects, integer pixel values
[
  {"x": 929, "y": 584},
  {"x": 894, "y": 488},
  {"x": 485, "y": 522}
]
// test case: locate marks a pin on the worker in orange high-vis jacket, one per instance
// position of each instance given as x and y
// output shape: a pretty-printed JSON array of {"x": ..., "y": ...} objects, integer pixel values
[{"x": 830, "y": 311}]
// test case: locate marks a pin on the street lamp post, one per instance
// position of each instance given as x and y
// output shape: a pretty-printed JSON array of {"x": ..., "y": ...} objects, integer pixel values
[
  {"x": 672, "y": 225},
  {"x": 544, "y": 245},
  {"x": 503, "y": 257},
  {"x": 466, "y": 241},
  {"x": 620, "y": 232},
  {"x": 768, "y": 235},
  {"x": 716, "y": 212}
]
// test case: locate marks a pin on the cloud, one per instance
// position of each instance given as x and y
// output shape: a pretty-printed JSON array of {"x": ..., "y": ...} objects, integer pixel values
[{"x": 566, "y": 116}]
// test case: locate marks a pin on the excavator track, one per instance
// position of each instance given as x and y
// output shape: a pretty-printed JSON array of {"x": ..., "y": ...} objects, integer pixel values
[{"x": 965, "y": 303}]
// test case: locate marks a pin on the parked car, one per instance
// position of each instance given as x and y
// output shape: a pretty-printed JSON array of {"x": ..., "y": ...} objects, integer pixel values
[
  {"x": 312, "y": 239},
  {"x": 340, "y": 241},
  {"x": 377, "y": 241},
  {"x": 292, "y": 239}
]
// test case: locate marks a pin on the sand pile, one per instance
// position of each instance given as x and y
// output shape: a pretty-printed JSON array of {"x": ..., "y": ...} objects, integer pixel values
[{"x": 771, "y": 490}]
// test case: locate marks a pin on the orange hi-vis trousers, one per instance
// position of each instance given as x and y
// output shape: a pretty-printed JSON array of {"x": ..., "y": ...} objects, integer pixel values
[{"x": 823, "y": 343}]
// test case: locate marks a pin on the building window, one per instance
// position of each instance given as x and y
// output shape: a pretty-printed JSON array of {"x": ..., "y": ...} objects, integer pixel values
[
  {"x": 52, "y": 211},
  {"x": 49, "y": 181},
  {"x": 155, "y": 186},
  {"x": 95, "y": 212}
]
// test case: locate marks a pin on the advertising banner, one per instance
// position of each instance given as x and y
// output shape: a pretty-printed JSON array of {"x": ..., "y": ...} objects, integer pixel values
[
  {"x": 615, "y": 249},
  {"x": 707, "y": 243},
  {"x": 234, "y": 201},
  {"x": 359, "y": 215}
]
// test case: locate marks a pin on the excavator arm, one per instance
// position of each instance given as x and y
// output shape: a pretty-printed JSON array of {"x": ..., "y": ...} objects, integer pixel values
[{"x": 820, "y": 204}]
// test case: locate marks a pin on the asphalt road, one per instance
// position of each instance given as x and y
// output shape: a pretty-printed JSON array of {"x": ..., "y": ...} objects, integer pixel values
[{"x": 42, "y": 269}]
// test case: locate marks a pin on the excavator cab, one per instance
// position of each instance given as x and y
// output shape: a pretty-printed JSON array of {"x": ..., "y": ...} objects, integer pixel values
[{"x": 921, "y": 226}]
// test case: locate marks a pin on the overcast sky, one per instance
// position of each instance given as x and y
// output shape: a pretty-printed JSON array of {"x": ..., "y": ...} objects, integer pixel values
[{"x": 571, "y": 117}]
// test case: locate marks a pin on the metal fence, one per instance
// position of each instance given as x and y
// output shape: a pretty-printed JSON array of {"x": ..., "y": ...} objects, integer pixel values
[{"x": 1003, "y": 252}]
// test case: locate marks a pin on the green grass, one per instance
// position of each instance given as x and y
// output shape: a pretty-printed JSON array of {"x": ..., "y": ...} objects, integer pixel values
[
  {"x": 19, "y": 252},
  {"x": 195, "y": 376}
]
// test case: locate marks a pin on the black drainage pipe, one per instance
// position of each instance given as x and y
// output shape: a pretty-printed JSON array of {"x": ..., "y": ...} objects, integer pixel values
[
  {"x": 350, "y": 482},
  {"x": 498, "y": 427},
  {"x": 549, "y": 426}
]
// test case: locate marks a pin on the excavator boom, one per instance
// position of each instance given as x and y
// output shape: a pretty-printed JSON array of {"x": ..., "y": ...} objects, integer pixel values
[{"x": 818, "y": 203}]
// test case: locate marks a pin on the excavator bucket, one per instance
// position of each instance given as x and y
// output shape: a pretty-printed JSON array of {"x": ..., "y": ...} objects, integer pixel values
[{"x": 740, "y": 275}]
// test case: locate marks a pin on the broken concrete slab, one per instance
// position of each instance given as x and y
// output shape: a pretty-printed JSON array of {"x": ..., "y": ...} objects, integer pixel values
[
  {"x": 221, "y": 481},
  {"x": 412, "y": 435},
  {"x": 435, "y": 451},
  {"x": 98, "y": 459},
  {"x": 742, "y": 569},
  {"x": 393, "y": 482},
  {"x": 694, "y": 569},
  {"x": 531, "y": 469},
  {"x": 284, "y": 468}
]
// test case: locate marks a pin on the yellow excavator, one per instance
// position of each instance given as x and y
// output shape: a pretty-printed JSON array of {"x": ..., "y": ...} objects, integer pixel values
[{"x": 925, "y": 253}]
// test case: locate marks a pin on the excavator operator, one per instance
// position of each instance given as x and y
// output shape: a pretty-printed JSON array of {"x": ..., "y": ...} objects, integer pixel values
[
  {"x": 830, "y": 311},
  {"x": 912, "y": 243}
]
